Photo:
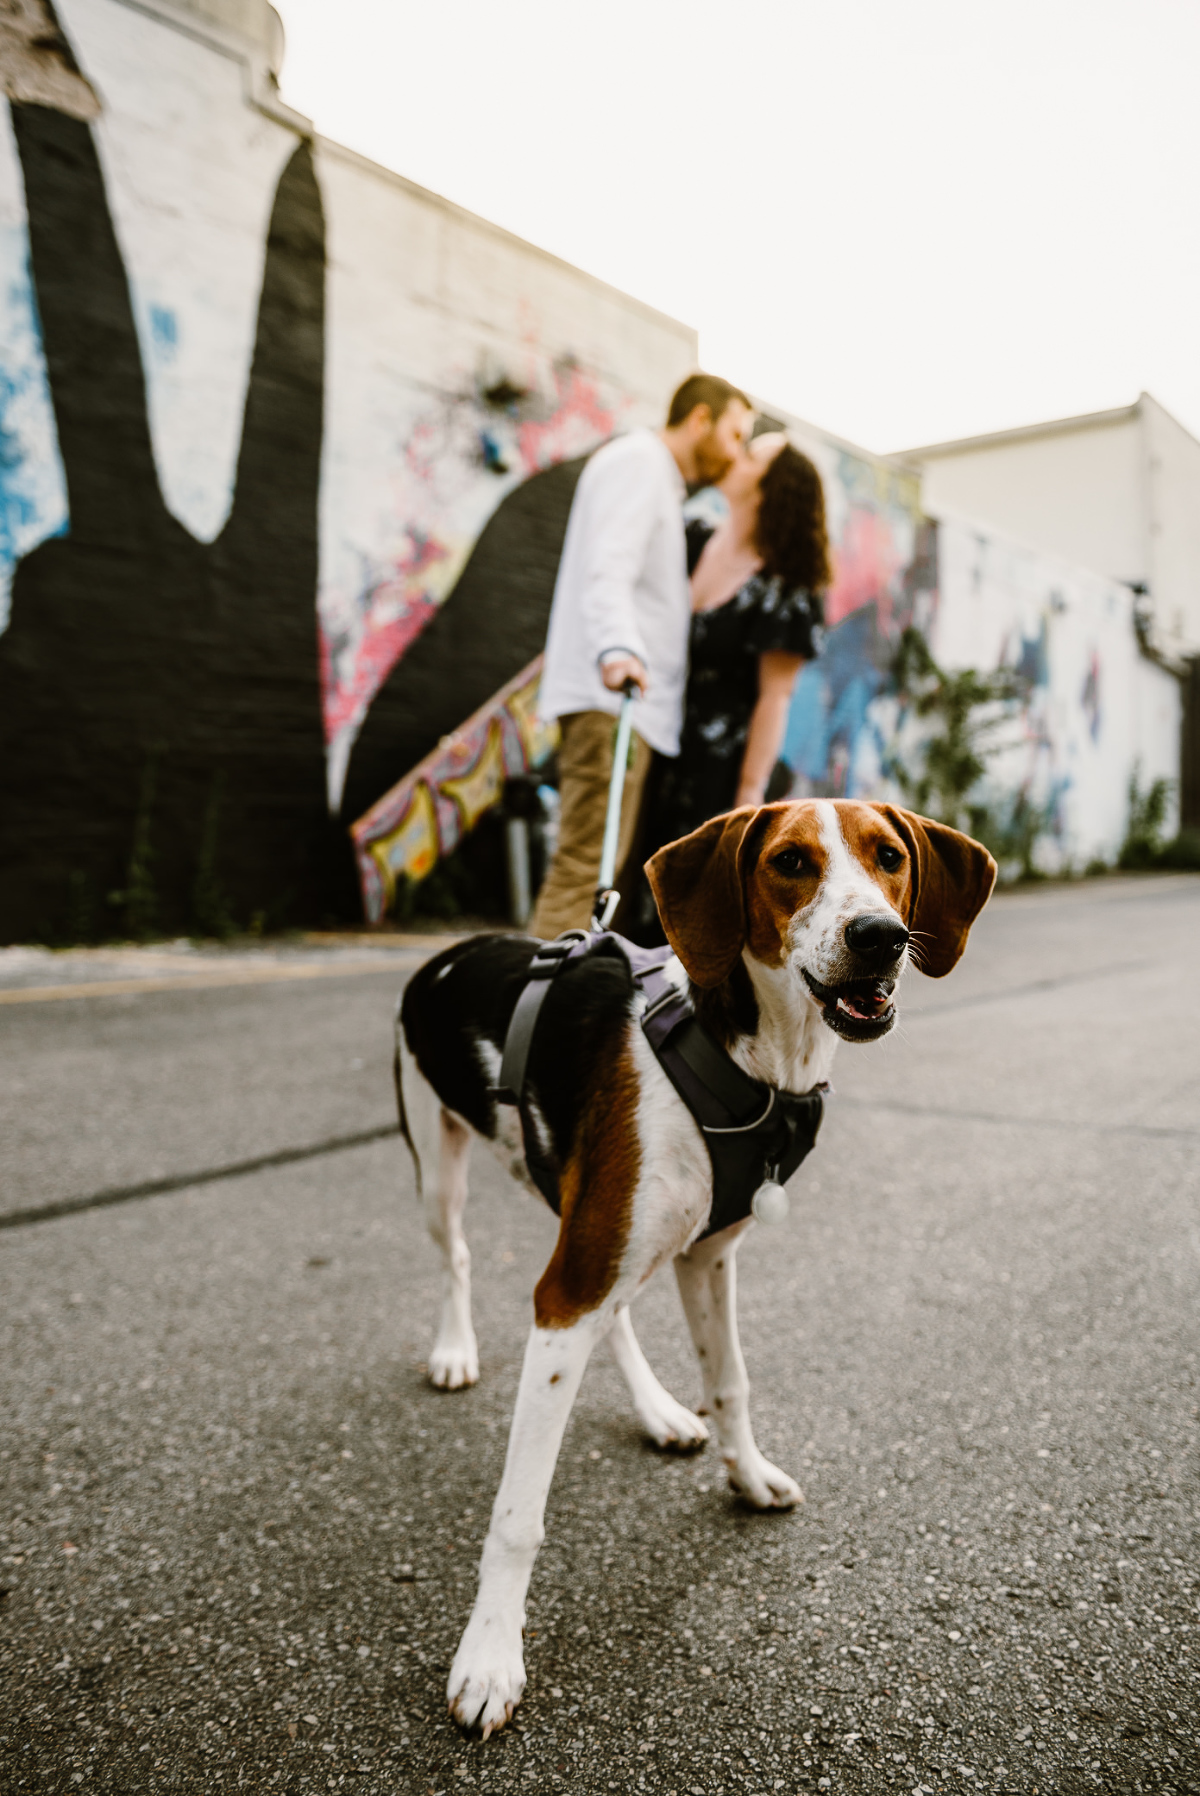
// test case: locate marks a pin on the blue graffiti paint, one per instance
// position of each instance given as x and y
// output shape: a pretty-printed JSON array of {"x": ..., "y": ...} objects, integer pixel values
[
  {"x": 1089, "y": 698},
  {"x": 1033, "y": 662},
  {"x": 33, "y": 497},
  {"x": 807, "y": 734},
  {"x": 491, "y": 452},
  {"x": 830, "y": 710},
  {"x": 164, "y": 332}
]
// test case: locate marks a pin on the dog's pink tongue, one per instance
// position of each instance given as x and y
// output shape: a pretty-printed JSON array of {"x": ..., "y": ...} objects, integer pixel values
[{"x": 864, "y": 1009}]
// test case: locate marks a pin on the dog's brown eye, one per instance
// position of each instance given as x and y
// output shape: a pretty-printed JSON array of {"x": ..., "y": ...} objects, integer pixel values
[
  {"x": 789, "y": 860},
  {"x": 889, "y": 858}
]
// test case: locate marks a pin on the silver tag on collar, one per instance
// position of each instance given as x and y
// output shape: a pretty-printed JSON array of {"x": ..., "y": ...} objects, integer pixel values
[{"x": 770, "y": 1203}]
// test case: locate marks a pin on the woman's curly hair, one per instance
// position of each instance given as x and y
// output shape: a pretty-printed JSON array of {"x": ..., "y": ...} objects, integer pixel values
[{"x": 791, "y": 523}]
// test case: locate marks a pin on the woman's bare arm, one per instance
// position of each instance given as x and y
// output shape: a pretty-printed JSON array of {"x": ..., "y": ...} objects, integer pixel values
[{"x": 776, "y": 679}]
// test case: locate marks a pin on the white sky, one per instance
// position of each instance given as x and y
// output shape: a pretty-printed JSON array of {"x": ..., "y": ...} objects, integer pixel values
[{"x": 904, "y": 222}]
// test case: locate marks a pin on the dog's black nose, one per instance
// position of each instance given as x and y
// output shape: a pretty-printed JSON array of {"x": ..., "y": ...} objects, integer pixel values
[{"x": 876, "y": 936}]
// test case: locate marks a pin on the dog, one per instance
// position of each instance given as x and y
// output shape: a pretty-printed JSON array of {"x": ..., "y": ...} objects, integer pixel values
[{"x": 790, "y": 925}]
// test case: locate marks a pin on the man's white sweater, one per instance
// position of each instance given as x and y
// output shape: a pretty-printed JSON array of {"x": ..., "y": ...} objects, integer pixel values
[{"x": 622, "y": 585}]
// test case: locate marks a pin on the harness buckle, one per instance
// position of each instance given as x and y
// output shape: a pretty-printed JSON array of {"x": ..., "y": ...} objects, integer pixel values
[
  {"x": 606, "y": 903},
  {"x": 550, "y": 955},
  {"x": 656, "y": 1004}
]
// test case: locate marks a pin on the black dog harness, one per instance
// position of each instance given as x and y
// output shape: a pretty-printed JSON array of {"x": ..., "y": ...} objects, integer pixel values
[{"x": 754, "y": 1132}]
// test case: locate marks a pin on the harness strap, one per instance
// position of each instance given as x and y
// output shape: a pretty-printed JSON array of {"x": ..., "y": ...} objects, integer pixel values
[
  {"x": 549, "y": 960},
  {"x": 752, "y": 1130},
  {"x": 668, "y": 1017}
]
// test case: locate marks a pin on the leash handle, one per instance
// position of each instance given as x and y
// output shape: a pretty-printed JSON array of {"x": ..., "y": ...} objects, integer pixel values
[{"x": 606, "y": 898}]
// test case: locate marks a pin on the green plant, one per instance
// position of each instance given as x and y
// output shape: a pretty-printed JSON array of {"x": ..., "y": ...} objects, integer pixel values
[
  {"x": 1143, "y": 846},
  {"x": 404, "y": 904},
  {"x": 210, "y": 907},
  {"x": 469, "y": 881},
  {"x": 1011, "y": 832},
  {"x": 437, "y": 895},
  {"x": 139, "y": 899},
  {"x": 968, "y": 706},
  {"x": 1183, "y": 854}
]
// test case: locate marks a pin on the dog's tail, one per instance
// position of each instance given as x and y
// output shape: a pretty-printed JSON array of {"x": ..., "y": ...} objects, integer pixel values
[{"x": 402, "y": 1114}]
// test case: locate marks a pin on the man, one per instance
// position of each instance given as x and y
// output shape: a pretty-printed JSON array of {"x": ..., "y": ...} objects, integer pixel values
[{"x": 621, "y": 612}]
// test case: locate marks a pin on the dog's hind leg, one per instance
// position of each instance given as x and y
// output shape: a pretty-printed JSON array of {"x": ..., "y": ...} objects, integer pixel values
[
  {"x": 441, "y": 1147},
  {"x": 454, "y": 1361},
  {"x": 667, "y": 1422},
  {"x": 707, "y": 1277}
]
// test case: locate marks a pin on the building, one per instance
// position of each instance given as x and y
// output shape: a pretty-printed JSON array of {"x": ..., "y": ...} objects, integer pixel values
[
  {"x": 289, "y": 447},
  {"x": 1117, "y": 492}
]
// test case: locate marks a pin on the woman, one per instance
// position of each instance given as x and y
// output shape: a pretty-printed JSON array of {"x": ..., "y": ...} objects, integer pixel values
[{"x": 757, "y": 580}]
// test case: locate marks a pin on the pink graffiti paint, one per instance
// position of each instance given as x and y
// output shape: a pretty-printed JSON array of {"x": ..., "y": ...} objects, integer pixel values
[
  {"x": 398, "y": 601},
  {"x": 394, "y": 610},
  {"x": 378, "y": 651},
  {"x": 867, "y": 560},
  {"x": 578, "y": 422},
  {"x": 1090, "y": 697}
]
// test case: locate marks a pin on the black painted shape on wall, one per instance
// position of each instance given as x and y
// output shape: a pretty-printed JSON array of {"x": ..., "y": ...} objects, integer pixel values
[
  {"x": 1189, "y": 793},
  {"x": 130, "y": 642},
  {"x": 490, "y": 626}
]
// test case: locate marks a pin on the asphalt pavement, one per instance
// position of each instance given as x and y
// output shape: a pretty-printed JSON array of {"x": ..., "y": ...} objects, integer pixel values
[{"x": 239, "y": 1529}]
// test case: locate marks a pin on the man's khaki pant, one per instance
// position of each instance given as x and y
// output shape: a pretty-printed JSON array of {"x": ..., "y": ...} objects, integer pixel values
[{"x": 585, "y": 759}]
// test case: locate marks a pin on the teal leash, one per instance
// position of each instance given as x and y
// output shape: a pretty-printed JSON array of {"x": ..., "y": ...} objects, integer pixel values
[{"x": 606, "y": 898}]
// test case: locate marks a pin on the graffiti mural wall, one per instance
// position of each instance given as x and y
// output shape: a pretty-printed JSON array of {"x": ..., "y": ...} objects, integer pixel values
[
  {"x": 497, "y": 368},
  {"x": 885, "y": 578},
  {"x": 287, "y": 447},
  {"x": 1097, "y": 709},
  {"x": 159, "y": 691},
  {"x": 286, "y": 450}
]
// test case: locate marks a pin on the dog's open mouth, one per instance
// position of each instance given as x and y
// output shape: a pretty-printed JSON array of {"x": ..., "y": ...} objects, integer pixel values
[{"x": 859, "y": 1010}]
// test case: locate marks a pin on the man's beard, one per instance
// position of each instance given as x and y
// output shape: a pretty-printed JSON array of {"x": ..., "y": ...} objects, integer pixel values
[{"x": 712, "y": 464}]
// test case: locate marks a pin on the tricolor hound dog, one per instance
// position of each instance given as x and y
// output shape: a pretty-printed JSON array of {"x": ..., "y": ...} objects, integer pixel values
[{"x": 792, "y": 923}]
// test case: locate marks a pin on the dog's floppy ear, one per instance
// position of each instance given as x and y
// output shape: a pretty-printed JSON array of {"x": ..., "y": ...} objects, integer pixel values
[
  {"x": 698, "y": 886},
  {"x": 952, "y": 880}
]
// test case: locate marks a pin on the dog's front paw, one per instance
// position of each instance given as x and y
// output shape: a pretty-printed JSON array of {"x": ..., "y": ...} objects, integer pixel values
[
  {"x": 487, "y": 1678},
  {"x": 669, "y": 1424},
  {"x": 454, "y": 1364},
  {"x": 762, "y": 1484}
]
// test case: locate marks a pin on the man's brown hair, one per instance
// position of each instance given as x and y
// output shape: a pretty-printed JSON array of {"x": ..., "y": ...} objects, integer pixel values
[{"x": 703, "y": 389}]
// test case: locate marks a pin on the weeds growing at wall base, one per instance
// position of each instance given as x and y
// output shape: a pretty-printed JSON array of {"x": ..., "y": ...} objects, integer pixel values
[
  {"x": 132, "y": 912},
  {"x": 962, "y": 713},
  {"x": 1143, "y": 849}
]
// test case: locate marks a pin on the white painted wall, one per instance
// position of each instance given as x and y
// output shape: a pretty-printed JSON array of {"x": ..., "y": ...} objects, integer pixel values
[
  {"x": 1077, "y": 494},
  {"x": 1118, "y": 493},
  {"x": 1173, "y": 528},
  {"x": 1098, "y": 709},
  {"x": 190, "y": 170},
  {"x": 255, "y": 20}
]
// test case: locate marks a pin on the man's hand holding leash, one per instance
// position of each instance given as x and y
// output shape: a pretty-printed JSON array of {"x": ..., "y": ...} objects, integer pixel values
[{"x": 619, "y": 670}]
